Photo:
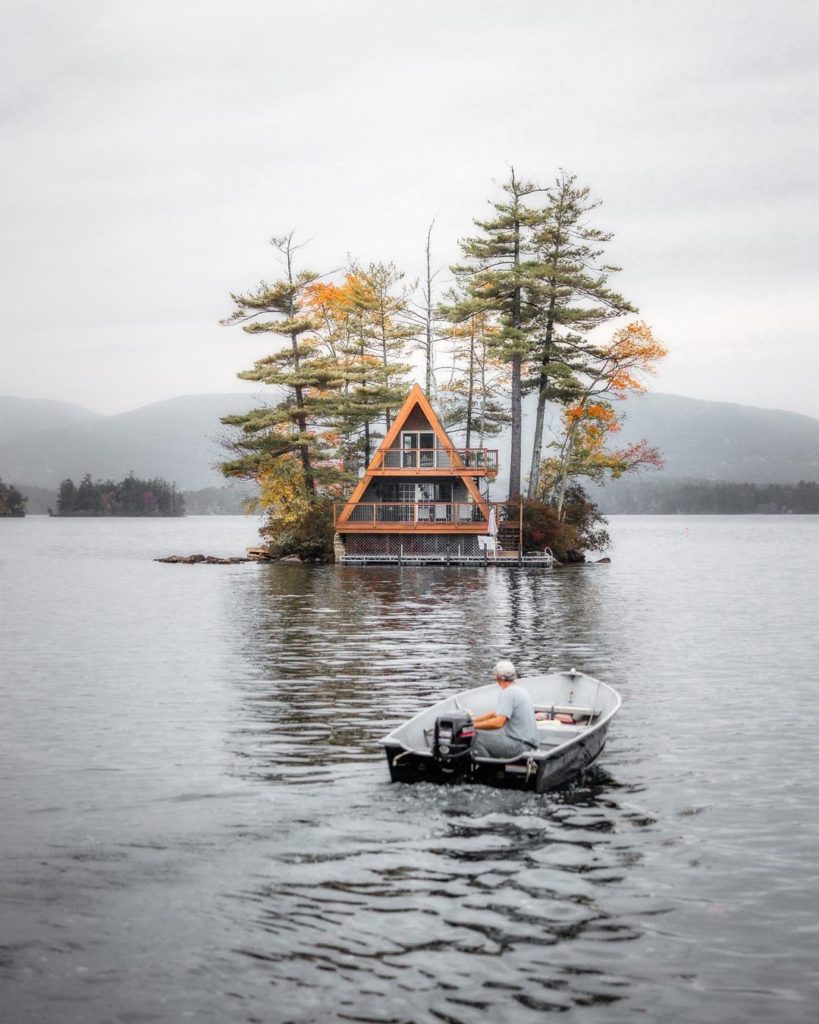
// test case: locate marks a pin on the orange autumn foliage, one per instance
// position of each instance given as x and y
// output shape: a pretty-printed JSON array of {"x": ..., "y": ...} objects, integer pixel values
[{"x": 591, "y": 420}]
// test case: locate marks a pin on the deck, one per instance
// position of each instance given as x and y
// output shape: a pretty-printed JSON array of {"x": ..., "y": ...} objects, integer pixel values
[
  {"x": 465, "y": 517},
  {"x": 433, "y": 462},
  {"x": 505, "y": 559}
]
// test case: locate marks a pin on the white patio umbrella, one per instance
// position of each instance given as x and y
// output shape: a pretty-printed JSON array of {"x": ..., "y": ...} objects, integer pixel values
[{"x": 492, "y": 526}]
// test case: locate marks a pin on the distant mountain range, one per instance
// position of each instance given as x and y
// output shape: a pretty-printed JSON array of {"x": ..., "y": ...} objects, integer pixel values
[
  {"x": 43, "y": 442},
  {"x": 723, "y": 441},
  {"x": 21, "y": 416}
]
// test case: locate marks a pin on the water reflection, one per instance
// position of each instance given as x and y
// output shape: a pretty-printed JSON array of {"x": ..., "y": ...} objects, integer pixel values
[
  {"x": 336, "y": 657},
  {"x": 198, "y": 822},
  {"x": 415, "y": 903}
]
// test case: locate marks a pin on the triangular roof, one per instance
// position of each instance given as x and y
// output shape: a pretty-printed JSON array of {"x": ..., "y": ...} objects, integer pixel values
[{"x": 415, "y": 399}]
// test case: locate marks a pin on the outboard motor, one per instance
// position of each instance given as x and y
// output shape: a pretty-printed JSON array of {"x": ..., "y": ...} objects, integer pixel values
[{"x": 452, "y": 743}]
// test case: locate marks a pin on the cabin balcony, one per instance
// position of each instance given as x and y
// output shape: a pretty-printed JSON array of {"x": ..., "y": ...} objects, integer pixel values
[
  {"x": 422, "y": 516},
  {"x": 443, "y": 461}
]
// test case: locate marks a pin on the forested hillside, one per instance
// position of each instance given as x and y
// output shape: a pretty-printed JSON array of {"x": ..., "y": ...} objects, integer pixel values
[{"x": 659, "y": 496}]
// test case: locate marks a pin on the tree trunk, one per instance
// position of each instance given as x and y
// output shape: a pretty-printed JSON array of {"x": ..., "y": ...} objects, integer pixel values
[
  {"x": 482, "y": 436},
  {"x": 517, "y": 420},
  {"x": 304, "y": 450},
  {"x": 515, "y": 446},
  {"x": 470, "y": 391},
  {"x": 514, "y": 453},
  {"x": 543, "y": 382},
  {"x": 301, "y": 421},
  {"x": 385, "y": 360},
  {"x": 428, "y": 344},
  {"x": 565, "y": 459},
  {"x": 561, "y": 490}
]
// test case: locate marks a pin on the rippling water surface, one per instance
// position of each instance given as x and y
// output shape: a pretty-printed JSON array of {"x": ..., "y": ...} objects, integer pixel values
[{"x": 197, "y": 822}]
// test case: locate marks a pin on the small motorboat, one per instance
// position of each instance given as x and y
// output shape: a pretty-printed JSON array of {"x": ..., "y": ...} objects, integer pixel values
[{"x": 573, "y": 711}]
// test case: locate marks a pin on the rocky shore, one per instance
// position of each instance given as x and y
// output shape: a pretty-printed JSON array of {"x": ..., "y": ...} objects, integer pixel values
[
  {"x": 202, "y": 560},
  {"x": 253, "y": 555}
]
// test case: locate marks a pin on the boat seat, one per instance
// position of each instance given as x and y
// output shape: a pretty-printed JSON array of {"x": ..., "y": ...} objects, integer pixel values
[
  {"x": 552, "y": 733},
  {"x": 566, "y": 709}
]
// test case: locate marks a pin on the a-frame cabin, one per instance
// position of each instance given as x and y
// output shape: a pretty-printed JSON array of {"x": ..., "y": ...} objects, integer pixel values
[{"x": 421, "y": 495}]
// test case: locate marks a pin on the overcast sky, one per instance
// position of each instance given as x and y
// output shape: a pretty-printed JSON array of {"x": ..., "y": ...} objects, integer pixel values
[{"x": 151, "y": 149}]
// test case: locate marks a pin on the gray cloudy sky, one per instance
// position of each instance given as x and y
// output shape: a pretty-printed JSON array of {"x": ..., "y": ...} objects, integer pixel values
[{"x": 152, "y": 148}]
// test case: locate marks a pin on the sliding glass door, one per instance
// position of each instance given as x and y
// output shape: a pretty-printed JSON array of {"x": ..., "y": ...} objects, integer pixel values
[{"x": 418, "y": 449}]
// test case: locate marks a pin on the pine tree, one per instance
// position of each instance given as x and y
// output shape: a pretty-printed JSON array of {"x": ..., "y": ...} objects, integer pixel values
[
  {"x": 298, "y": 369},
  {"x": 12, "y": 502},
  {"x": 382, "y": 302},
  {"x": 498, "y": 277},
  {"x": 67, "y": 498},
  {"x": 87, "y": 497},
  {"x": 471, "y": 399},
  {"x": 573, "y": 298}
]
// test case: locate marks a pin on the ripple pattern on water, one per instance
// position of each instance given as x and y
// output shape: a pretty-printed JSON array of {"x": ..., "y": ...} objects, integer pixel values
[{"x": 197, "y": 822}]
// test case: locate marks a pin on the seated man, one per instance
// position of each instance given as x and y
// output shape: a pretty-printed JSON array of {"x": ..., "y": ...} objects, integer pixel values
[{"x": 511, "y": 728}]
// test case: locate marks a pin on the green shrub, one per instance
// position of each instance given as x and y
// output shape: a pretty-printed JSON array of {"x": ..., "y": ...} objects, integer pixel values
[{"x": 580, "y": 531}]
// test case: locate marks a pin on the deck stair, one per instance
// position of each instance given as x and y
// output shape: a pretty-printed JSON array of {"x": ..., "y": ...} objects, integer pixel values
[{"x": 508, "y": 536}]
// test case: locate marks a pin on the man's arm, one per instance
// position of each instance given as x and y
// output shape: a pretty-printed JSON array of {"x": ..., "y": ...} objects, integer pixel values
[{"x": 490, "y": 721}]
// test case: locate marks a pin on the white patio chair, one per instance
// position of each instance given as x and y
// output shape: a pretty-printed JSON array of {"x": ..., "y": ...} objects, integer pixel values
[{"x": 489, "y": 544}]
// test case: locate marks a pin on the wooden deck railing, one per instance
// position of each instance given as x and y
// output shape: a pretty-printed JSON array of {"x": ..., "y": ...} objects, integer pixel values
[
  {"x": 424, "y": 515},
  {"x": 481, "y": 460}
]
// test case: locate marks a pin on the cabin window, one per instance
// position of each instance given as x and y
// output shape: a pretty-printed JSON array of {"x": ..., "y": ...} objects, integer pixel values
[{"x": 418, "y": 449}]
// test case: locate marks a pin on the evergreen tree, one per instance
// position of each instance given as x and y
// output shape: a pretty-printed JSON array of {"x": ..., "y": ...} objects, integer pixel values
[
  {"x": 471, "y": 400},
  {"x": 382, "y": 302},
  {"x": 67, "y": 498},
  {"x": 298, "y": 369},
  {"x": 573, "y": 298},
  {"x": 12, "y": 502},
  {"x": 129, "y": 497},
  {"x": 499, "y": 277},
  {"x": 87, "y": 499}
]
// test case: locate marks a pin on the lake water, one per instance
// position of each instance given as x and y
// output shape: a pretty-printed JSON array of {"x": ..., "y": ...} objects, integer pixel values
[{"x": 197, "y": 822}]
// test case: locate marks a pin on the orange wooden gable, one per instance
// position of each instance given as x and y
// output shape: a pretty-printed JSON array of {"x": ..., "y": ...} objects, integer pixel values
[{"x": 415, "y": 399}]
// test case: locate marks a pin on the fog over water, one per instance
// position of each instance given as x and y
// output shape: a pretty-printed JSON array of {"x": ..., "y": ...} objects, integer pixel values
[{"x": 198, "y": 822}]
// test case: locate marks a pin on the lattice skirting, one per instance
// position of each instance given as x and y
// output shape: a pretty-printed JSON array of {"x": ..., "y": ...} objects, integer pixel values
[{"x": 410, "y": 544}]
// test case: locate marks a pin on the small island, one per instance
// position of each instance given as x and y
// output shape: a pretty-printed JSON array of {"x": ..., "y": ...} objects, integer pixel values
[
  {"x": 355, "y": 460},
  {"x": 129, "y": 497}
]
